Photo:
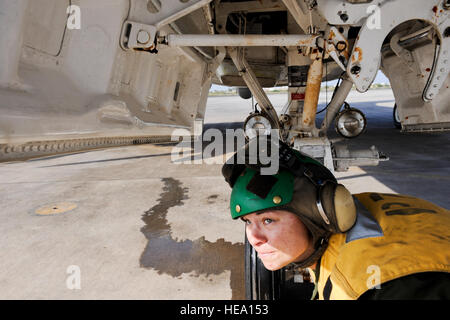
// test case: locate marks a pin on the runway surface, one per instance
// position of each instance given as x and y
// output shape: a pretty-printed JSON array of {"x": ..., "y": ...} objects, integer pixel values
[{"x": 138, "y": 223}]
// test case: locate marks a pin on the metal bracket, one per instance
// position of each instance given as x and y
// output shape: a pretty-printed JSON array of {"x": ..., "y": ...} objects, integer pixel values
[
  {"x": 366, "y": 55},
  {"x": 316, "y": 148},
  {"x": 337, "y": 47},
  {"x": 147, "y": 17},
  {"x": 338, "y": 157},
  {"x": 137, "y": 36}
]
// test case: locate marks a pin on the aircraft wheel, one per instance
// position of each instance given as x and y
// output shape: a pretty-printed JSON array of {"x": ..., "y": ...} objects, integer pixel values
[
  {"x": 244, "y": 93},
  {"x": 396, "y": 118}
]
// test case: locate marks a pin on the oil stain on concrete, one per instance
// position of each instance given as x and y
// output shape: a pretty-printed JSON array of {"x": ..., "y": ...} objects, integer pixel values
[{"x": 200, "y": 256}]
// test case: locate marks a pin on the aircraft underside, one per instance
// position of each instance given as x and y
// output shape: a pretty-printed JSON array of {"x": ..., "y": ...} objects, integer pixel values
[{"x": 83, "y": 74}]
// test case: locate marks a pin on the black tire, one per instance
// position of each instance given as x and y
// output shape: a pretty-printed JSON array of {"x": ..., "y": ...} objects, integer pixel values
[
  {"x": 244, "y": 93},
  {"x": 396, "y": 118}
]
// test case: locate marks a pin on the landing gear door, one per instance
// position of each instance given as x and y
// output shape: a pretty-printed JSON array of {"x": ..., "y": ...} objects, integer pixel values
[{"x": 46, "y": 22}]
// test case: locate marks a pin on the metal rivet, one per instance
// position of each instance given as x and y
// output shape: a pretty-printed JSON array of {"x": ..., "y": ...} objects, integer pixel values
[
  {"x": 143, "y": 37},
  {"x": 355, "y": 70},
  {"x": 344, "y": 17},
  {"x": 238, "y": 208},
  {"x": 277, "y": 199}
]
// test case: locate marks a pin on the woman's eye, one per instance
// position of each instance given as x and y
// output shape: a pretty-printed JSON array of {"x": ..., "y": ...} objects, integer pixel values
[{"x": 267, "y": 221}]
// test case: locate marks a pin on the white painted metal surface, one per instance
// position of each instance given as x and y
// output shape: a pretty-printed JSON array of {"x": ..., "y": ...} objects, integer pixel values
[
  {"x": 103, "y": 79},
  {"x": 12, "y": 15},
  {"x": 166, "y": 12},
  {"x": 234, "y": 40},
  {"x": 366, "y": 51}
]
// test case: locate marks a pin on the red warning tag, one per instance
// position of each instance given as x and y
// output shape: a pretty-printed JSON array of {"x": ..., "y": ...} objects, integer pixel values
[{"x": 297, "y": 96}]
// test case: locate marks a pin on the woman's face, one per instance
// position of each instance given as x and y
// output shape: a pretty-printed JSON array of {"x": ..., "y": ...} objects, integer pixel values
[{"x": 278, "y": 236}]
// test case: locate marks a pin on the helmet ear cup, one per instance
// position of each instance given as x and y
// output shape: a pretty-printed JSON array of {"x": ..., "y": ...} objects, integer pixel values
[
  {"x": 339, "y": 207},
  {"x": 344, "y": 208}
]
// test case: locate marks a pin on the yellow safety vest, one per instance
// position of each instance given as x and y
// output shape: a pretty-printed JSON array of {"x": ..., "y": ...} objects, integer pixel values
[{"x": 394, "y": 236}]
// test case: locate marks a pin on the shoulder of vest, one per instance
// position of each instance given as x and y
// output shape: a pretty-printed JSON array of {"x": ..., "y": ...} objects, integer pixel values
[{"x": 394, "y": 236}]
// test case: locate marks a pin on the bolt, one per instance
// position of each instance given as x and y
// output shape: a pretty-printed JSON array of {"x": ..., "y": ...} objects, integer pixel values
[
  {"x": 344, "y": 17},
  {"x": 143, "y": 37},
  {"x": 341, "y": 46},
  {"x": 447, "y": 4},
  {"x": 355, "y": 70},
  {"x": 447, "y": 32}
]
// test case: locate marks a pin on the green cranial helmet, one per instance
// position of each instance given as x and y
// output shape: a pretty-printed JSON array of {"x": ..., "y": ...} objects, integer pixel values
[
  {"x": 301, "y": 185},
  {"x": 254, "y": 192}
]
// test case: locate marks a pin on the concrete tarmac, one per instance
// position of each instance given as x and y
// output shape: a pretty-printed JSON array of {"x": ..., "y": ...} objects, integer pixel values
[{"x": 137, "y": 223}]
